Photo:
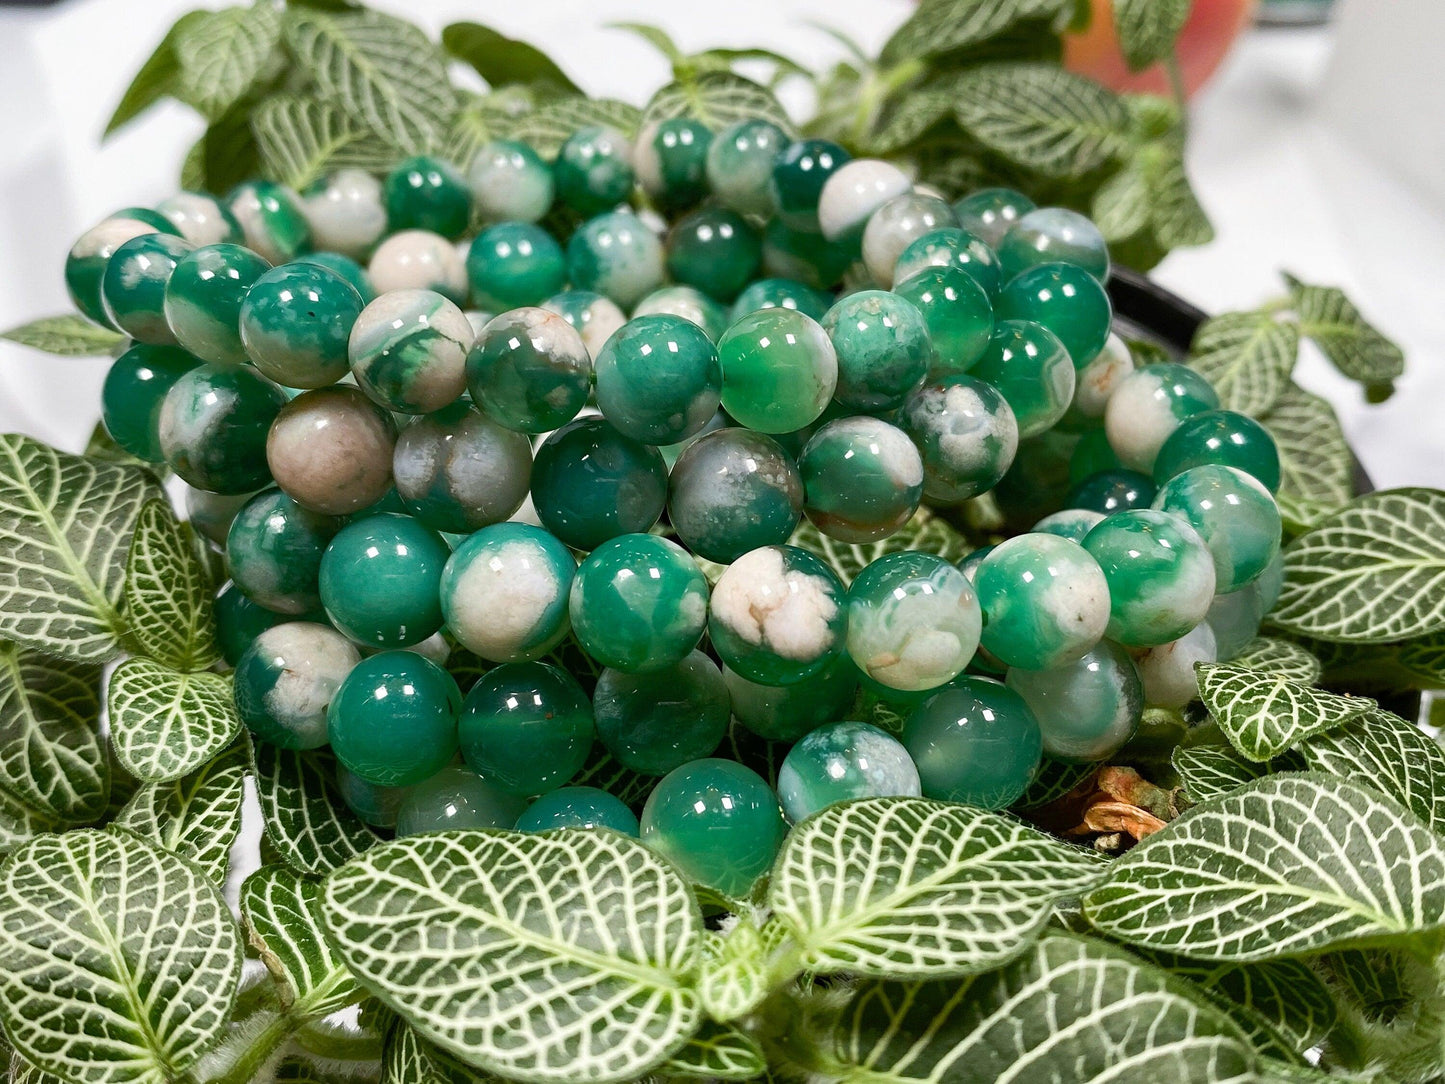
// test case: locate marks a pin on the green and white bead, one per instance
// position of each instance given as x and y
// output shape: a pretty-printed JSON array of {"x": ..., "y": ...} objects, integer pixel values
[
  {"x": 86, "y": 263},
  {"x": 1070, "y": 523},
  {"x": 331, "y": 449},
  {"x": 296, "y": 322},
  {"x": 689, "y": 303},
  {"x": 274, "y": 549},
  {"x": 408, "y": 351},
  {"x": 617, "y": 255},
  {"x": 593, "y": 316},
  {"x": 1067, "y": 300},
  {"x": 1096, "y": 383},
  {"x": 1054, "y": 235},
  {"x": 799, "y": 174},
  {"x": 419, "y": 260},
  {"x": 1233, "y": 513},
  {"x": 897, "y": 224},
  {"x": 1223, "y": 437},
  {"x": 779, "y": 370},
  {"x": 347, "y": 268},
  {"x": 593, "y": 171},
  {"x": 347, "y": 213},
  {"x": 272, "y": 219},
  {"x": 135, "y": 386},
  {"x": 883, "y": 349},
  {"x": 1168, "y": 670},
  {"x": 458, "y": 470},
  {"x": 1031, "y": 369},
  {"x": 913, "y": 621},
  {"x": 203, "y": 300},
  {"x": 990, "y": 213},
  {"x": 658, "y": 379},
  {"x": 1148, "y": 405},
  {"x": 657, "y": 721},
  {"x": 286, "y": 680},
  {"x": 1045, "y": 601},
  {"x": 841, "y": 761},
  {"x": 1086, "y": 709},
  {"x": 862, "y": 479},
  {"x": 670, "y": 160},
  {"x": 966, "y": 433},
  {"x": 505, "y": 592},
  {"x": 781, "y": 293},
  {"x": 515, "y": 263},
  {"x": 739, "y": 165},
  {"x": 976, "y": 741},
  {"x": 732, "y": 491},
  {"x": 854, "y": 192},
  {"x": 213, "y": 425},
  {"x": 958, "y": 313},
  {"x": 509, "y": 182},
  {"x": 200, "y": 219},
  {"x": 950, "y": 246},
  {"x": 133, "y": 287},
  {"x": 529, "y": 370},
  {"x": 1160, "y": 574}
]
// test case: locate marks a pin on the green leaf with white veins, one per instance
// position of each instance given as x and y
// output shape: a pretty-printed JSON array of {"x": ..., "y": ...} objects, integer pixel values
[
  {"x": 165, "y": 724},
  {"x": 1315, "y": 464},
  {"x": 1148, "y": 29},
  {"x": 301, "y": 139},
  {"x": 1208, "y": 771},
  {"x": 895, "y": 887},
  {"x": 305, "y": 818},
  {"x": 168, "y": 592},
  {"x": 407, "y": 1058},
  {"x": 937, "y": 26},
  {"x": 717, "y": 1052},
  {"x": 1282, "y": 657},
  {"x": 1292, "y": 865},
  {"x": 281, "y": 910},
  {"x": 65, "y": 527},
  {"x": 1263, "y": 714},
  {"x": 1391, "y": 754},
  {"x": 546, "y": 129},
  {"x": 560, "y": 957},
  {"x": 118, "y": 961},
  {"x": 222, "y": 55},
  {"x": 717, "y": 99},
  {"x": 70, "y": 336},
  {"x": 1352, "y": 344},
  {"x": 733, "y": 977},
  {"x": 1248, "y": 357}
]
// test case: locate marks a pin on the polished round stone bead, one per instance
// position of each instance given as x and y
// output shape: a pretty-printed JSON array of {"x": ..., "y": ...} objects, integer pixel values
[
  {"x": 896, "y": 225},
  {"x": 805, "y": 257},
  {"x": 347, "y": 268},
  {"x": 200, "y": 219},
  {"x": 516, "y": 263},
  {"x": 840, "y": 761},
  {"x": 717, "y": 821},
  {"x": 862, "y": 479},
  {"x": 1160, "y": 573},
  {"x": 332, "y": 450},
  {"x": 778, "y": 615},
  {"x": 347, "y": 213},
  {"x": 950, "y": 246},
  {"x": 133, "y": 286},
  {"x": 732, "y": 491},
  {"x": 578, "y": 807},
  {"x": 715, "y": 250},
  {"x": 86, "y": 263},
  {"x": 211, "y": 514},
  {"x": 1233, "y": 513},
  {"x": 274, "y": 549},
  {"x": 658, "y": 379},
  {"x": 526, "y": 727},
  {"x": 1065, "y": 299},
  {"x": 135, "y": 386},
  {"x": 966, "y": 433},
  {"x": 781, "y": 293},
  {"x": 295, "y": 323},
  {"x": 958, "y": 313},
  {"x": 799, "y": 175},
  {"x": 739, "y": 165},
  {"x": 1070, "y": 523},
  {"x": 913, "y": 621},
  {"x": 419, "y": 260},
  {"x": 457, "y": 470},
  {"x": 239, "y": 620},
  {"x": 213, "y": 424},
  {"x": 272, "y": 218},
  {"x": 617, "y": 255},
  {"x": 854, "y": 192},
  {"x": 689, "y": 303},
  {"x": 1222, "y": 437},
  {"x": 376, "y": 806},
  {"x": 394, "y": 720},
  {"x": 1086, "y": 709},
  {"x": 529, "y": 370},
  {"x": 1037, "y": 482},
  {"x": 779, "y": 370},
  {"x": 1031, "y": 369},
  {"x": 638, "y": 603},
  {"x": 1111, "y": 491},
  {"x": 670, "y": 160},
  {"x": 883, "y": 350},
  {"x": 1167, "y": 671},
  {"x": 426, "y": 193},
  {"x": 991, "y": 212},
  {"x": 1096, "y": 383},
  {"x": 655, "y": 722},
  {"x": 787, "y": 712},
  {"x": 509, "y": 182},
  {"x": 1270, "y": 583},
  {"x": 203, "y": 300},
  {"x": 1091, "y": 455},
  {"x": 593, "y": 171},
  {"x": 976, "y": 742},
  {"x": 1045, "y": 601},
  {"x": 1053, "y": 235},
  {"x": 1234, "y": 619},
  {"x": 504, "y": 592},
  {"x": 590, "y": 483},
  {"x": 408, "y": 351},
  {"x": 456, "y": 798},
  {"x": 592, "y": 316},
  {"x": 1149, "y": 405},
  {"x": 380, "y": 580},
  {"x": 286, "y": 680}
]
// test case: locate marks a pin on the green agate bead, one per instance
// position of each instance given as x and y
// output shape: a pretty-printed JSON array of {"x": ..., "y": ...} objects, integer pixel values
[
  {"x": 200, "y": 219},
  {"x": 1031, "y": 369},
  {"x": 516, "y": 263},
  {"x": 655, "y": 722},
  {"x": 593, "y": 171},
  {"x": 135, "y": 387},
  {"x": 393, "y": 722},
  {"x": 213, "y": 425},
  {"x": 718, "y": 822},
  {"x": 913, "y": 621},
  {"x": 425, "y": 193},
  {"x": 1270, "y": 583},
  {"x": 455, "y": 798},
  {"x": 590, "y": 483},
  {"x": 732, "y": 491},
  {"x": 578, "y": 807},
  {"x": 1234, "y": 619},
  {"x": 638, "y": 603},
  {"x": 1053, "y": 235},
  {"x": 133, "y": 286},
  {"x": 670, "y": 160},
  {"x": 296, "y": 322},
  {"x": 1113, "y": 491},
  {"x": 529, "y": 370},
  {"x": 86, "y": 263},
  {"x": 203, "y": 300},
  {"x": 376, "y": 806},
  {"x": 420, "y": 260},
  {"x": 778, "y": 615},
  {"x": 272, "y": 219},
  {"x": 1092, "y": 455},
  {"x": 1065, "y": 299},
  {"x": 1160, "y": 573},
  {"x": 862, "y": 479},
  {"x": 688, "y": 303},
  {"x": 799, "y": 175},
  {"x": 526, "y": 727},
  {"x": 274, "y": 549},
  {"x": 1071, "y": 523},
  {"x": 975, "y": 742},
  {"x": 779, "y": 370},
  {"x": 787, "y": 712},
  {"x": 991, "y": 212},
  {"x": 658, "y": 379},
  {"x": 853, "y": 193},
  {"x": 896, "y": 225},
  {"x": 1167, "y": 671},
  {"x": 950, "y": 246},
  {"x": 841, "y": 761},
  {"x": 1222, "y": 437},
  {"x": 1045, "y": 601},
  {"x": 958, "y": 313},
  {"x": 592, "y": 316},
  {"x": 883, "y": 350},
  {"x": 739, "y": 165},
  {"x": 505, "y": 590},
  {"x": 804, "y": 257},
  {"x": 380, "y": 580},
  {"x": 715, "y": 250},
  {"x": 1149, "y": 405},
  {"x": 239, "y": 620},
  {"x": 211, "y": 514},
  {"x": 408, "y": 351},
  {"x": 966, "y": 433},
  {"x": 347, "y": 268},
  {"x": 616, "y": 254},
  {"x": 1095, "y": 384},
  {"x": 286, "y": 680},
  {"x": 458, "y": 470},
  {"x": 781, "y": 293},
  {"x": 1233, "y": 513},
  {"x": 509, "y": 182},
  {"x": 347, "y": 215},
  {"x": 332, "y": 450},
  {"x": 1087, "y": 709}
]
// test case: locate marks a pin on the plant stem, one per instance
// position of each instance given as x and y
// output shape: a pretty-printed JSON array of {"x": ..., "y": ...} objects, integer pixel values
[
  {"x": 879, "y": 87},
  {"x": 252, "y": 1058}
]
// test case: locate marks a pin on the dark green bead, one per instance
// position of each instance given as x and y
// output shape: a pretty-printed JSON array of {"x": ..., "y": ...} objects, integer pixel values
[
  {"x": 958, "y": 313},
  {"x": 425, "y": 193},
  {"x": 1113, "y": 491},
  {"x": 578, "y": 807},
  {"x": 347, "y": 268},
  {"x": 787, "y": 712},
  {"x": 950, "y": 246},
  {"x": 732, "y": 491},
  {"x": 133, "y": 287},
  {"x": 529, "y": 370},
  {"x": 617, "y": 255},
  {"x": 85, "y": 265},
  {"x": 991, "y": 212},
  {"x": 590, "y": 483},
  {"x": 380, "y": 580},
  {"x": 1223, "y": 437},
  {"x": 514, "y": 263},
  {"x": 455, "y": 798},
  {"x": 883, "y": 349},
  {"x": 781, "y": 294},
  {"x": 1037, "y": 482},
  {"x": 1065, "y": 299},
  {"x": 593, "y": 171},
  {"x": 976, "y": 742},
  {"x": 862, "y": 479},
  {"x": 671, "y": 162},
  {"x": 374, "y": 805},
  {"x": 286, "y": 680},
  {"x": 272, "y": 219},
  {"x": 1031, "y": 369},
  {"x": 807, "y": 257},
  {"x": 1054, "y": 235},
  {"x": 203, "y": 300},
  {"x": 296, "y": 322},
  {"x": 715, "y": 250},
  {"x": 240, "y": 619},
  {"x": 658, "y": 379},
  {"x": 526, "y": 727},
  {"x": 394, "y": 720},
  {"x": 1091, "y": 455},
  {"x": 655, "y": 722},
  {"x": 213, "y": 427},
  {"x": 274, "y": 550},
  {"x": 135, "y": 386},
  {"x": 798, "y": 178}
]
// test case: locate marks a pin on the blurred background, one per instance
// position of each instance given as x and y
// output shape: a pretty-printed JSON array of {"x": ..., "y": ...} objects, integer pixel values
[{"x": 1316, "y": 145}]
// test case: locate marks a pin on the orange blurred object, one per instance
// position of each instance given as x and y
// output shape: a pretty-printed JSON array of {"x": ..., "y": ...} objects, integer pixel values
[{"x": 1209, "y": 32}]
